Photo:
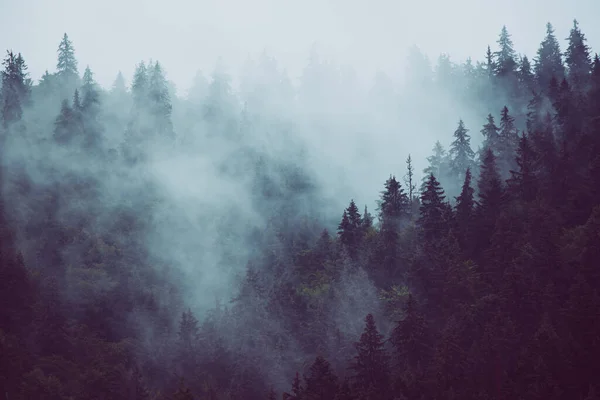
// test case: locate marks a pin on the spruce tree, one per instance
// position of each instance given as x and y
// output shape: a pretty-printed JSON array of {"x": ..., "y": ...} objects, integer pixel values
[
  {"x": 160, "y": 101},
  {"x": 508, "y": 142},
  {"x": 63, "y": 125},
  {"x": 67, "y": 63},
  {"x": 350, "y": 229},
  {"x": 188, "y": 330},
  {"x": 437, "y": 163},
  {"x": 577, "y": 59},
  {"x": 526, "y": 78},
  {"x": 491, "y": 134},
  {"x": 297, "y": 389},
  {"x": 367, "y": 220},
  {"x": 491, "y": 196},
  {"x": 140, "y": 86},
  {"x": 321, "y": 382},
  {"x": 371, "y": 364},
  {"x": 489, "y": 184},
  {"x": 409, "y": 337},
  {"x": 548, "y": 63},
  {"x": 490, "y": 64},
  {"x": 465, "y": 204},
  {"x": 409, "y": 178},
  {"x": 522, "y": 183},
  {"x": 433, "y": 219},
  {"x": 461, "y": 154},
  {"x": 393, "y": 205},
  {"x": 15, "y": 88},
  {"x": 90, "y": 93},
  {"x": 506, "y": 56}
]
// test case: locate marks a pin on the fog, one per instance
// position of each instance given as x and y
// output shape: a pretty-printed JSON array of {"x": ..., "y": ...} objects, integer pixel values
[
  {"x": 190, "y": 35},
  {"x": 282, "y": 112}
]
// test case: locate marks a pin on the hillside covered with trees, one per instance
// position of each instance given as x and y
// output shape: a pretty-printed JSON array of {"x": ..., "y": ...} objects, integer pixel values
[{"x": 155, "y": 246}]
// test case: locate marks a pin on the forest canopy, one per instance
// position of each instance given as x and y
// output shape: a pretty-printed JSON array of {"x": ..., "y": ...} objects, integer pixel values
[{"x": 154, "y": 246}]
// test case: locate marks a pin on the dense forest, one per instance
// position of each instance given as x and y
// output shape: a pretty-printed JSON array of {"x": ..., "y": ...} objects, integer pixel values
[{"x": 156, "y": 246}]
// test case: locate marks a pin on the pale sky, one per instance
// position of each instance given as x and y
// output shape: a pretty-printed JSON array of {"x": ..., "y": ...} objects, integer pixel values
[{"x": 186, "y": 35}]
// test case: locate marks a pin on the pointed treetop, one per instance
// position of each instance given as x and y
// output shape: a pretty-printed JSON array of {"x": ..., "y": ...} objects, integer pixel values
[
  {"x": 548, "y": 62},
  {"x": 460, "y": 151},
  {"x": 67, "y": 63},
  {"x": 506, "y": 55}
]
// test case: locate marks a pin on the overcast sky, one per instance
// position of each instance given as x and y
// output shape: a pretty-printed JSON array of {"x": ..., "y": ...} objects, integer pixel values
[{"x": 187, "y": 35}]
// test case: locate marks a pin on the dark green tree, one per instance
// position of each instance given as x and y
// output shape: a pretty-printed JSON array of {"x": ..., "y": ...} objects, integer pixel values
[
  {"x": 409, "y": 179},
  {"x": 461, "y": 154},
  {"x": 465, "y": 207},
  {"x": 15, "y": 89},
  {"x": 489, "y": 184},
  {"x": 321, "y": 382},
  {"x": 371, "y": 365},
  {"x": 159, "y": 101},
  {"x": 438, "y": 163},
  {"x": 491, "y": 134},
  {"x": 393, "y": 205},
  {"x": 522, "y": 182},
  {"x": 526, "y": 78},
  {"x": 506, "y": 64},
  {"x": 434, "y": 210},
  {"x": 578, "y": 60},
  {"x": 548, "y": 63},
  {"x": 90, "y": 93},
  {"x": 66, "y": 65},
  {"x": 140, "y": 86},
  {"x": 507, "y": 144},
  {"x": 64, "y": 123},
  {"x": 297, "y": 389},
  {"x": 350, "y": 229}
]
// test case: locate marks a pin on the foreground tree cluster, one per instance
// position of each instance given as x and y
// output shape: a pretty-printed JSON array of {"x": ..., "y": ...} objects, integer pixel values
[{"x": 480, "y": 283}]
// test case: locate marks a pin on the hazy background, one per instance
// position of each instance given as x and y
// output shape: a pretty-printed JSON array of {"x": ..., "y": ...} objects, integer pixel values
[{"x": 189, "y": 35}]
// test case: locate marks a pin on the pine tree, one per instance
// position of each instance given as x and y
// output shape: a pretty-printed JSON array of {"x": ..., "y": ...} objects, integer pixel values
[
  {"x": 409, "y": 178},
  {"x": 490, "y": 65},
  {"x": 437, "y": 163},
  {"x": 522, "y": 182},
  {"x": 506, "y": 56},
  {"x": 491, "y": 134},
  {"x": 297, "y": 389},
  {"x": 548, "y": 63},
  {"x": 433, "y": 219},
  {"x": 409, "y": 337},
  {"x": 508, "y": 142},
  {"x": 461, "y": 154},
  {"x": 577, "y": 59},
  {"x": 350, "y": 229},
  {"x": 321, "y": 382},
  {"x": 367, "y": 220},
  {"x": 526, "y": 78},
  {"x": 67, "y": 63},
  {"x": 489, "y": 184},
  {"x": 90, "y": 93},
  {"x": 118, "y": 86},
  {"x": 188, "y": 330},
  {"x": 15, "y": 88},
  {"x": 371, "y": 364},
  {"x": 140, "y": 86},
  {"x": 63, "y": 125},
  {"x": 160, "y": 101},
  {"x": 393, "y": 205},
  {"x": 465, "y": 204}
]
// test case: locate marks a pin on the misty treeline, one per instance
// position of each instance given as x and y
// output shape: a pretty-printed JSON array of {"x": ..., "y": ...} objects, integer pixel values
[{"x": 161, "y": 247}]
